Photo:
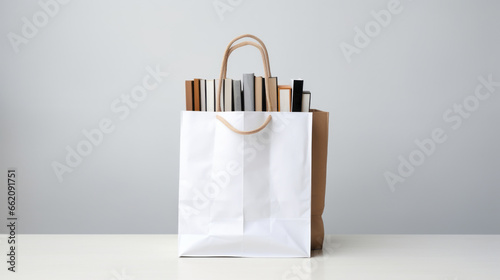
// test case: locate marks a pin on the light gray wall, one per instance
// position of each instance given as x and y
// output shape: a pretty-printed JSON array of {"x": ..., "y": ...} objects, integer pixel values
[{"x": 394, "y": 91}]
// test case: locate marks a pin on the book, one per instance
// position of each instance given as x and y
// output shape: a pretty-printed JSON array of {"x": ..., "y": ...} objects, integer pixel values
[
  {"x": 217, "y": 101},
  {"x": 264, "y": 98},
  {"x": 189, "y": 95},
  {"x": 196, "y": 95},
  {"x": 258, "y": 94},
  {"x": 237, "y": 98},
  {"x": 228, "y": 95},
  {"x": 210, "y": 89},
  {"x": 306, "y": 101},
  {"x": 284, "y": 98},
  {"x": 273, "y": 93},
  {"x": 297, "y": 88},
  {"x": 248, "y": 92},
  {"x": 203, "y": 95}
]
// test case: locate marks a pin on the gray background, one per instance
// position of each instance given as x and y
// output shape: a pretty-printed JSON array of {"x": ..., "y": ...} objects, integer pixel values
[{"x": 394, "y": 91}]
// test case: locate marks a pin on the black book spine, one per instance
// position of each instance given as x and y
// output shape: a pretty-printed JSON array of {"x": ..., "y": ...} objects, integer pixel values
[
  {"x": 264, "y": 95},
  {"x": 298, "y": 86}
]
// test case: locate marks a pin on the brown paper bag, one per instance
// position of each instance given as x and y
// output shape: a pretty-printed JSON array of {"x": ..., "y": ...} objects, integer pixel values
[{"x": 318, "y": 180}]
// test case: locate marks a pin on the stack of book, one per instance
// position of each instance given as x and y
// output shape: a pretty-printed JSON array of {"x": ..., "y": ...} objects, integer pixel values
[{"x": 201, "y": 95}]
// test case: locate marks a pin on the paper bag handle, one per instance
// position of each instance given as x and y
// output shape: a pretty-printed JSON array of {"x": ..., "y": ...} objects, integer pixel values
[
  {"x": 224, "y": 65},
  {"x": 265, "y": 59},
  {"x": 226, "y": 123}
]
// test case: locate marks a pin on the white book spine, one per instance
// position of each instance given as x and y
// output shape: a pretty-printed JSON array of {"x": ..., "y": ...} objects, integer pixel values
[
  {"x": 306, "y": 101},
  {"x": 217, "y": 101},
  {"x": 284, "y": 100},
  {"x": 203, "y": 95},
  {"x": 210, "y": 89}
]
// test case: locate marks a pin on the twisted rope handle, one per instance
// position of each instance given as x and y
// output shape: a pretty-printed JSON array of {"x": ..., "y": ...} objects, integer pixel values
[
  {"x": 267, "y": 73},
  {"x": 265, "y": 59},
  {"x": 224, "y": 65},
  {"x": 242, "y": 132}
]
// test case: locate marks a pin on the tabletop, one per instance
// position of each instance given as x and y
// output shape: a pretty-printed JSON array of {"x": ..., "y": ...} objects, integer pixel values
[{"x": 127, "y": 257}]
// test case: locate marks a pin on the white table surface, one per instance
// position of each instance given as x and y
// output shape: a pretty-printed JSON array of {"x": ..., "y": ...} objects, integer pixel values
[{"x": 127, "y": 257}]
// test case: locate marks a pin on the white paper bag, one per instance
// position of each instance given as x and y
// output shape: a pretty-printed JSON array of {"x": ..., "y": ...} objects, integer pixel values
[{"x": 245, "y": 195}]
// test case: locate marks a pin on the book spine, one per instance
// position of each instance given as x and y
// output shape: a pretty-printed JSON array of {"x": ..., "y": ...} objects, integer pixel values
[
  {"x": 258, "y": 94},
  {"x": 217, "y": 101},
  {"x": 196, "y": 98},
  {"x": 203, "y": 95},
  {"x": 248, "y": 92},
  {"x": 264, "y": 97},
  {"x": 297, "y": 89},
  {"x": 284, "y": 98},
  {"x": 237, "y": 95},
  {"x": 306, "y": 101},
  {"x": 189, "y": 95},
  {"x": 210, "y": 88},
  {"x": 273, "y": 93},
  {"x": 228, "y": 95}
]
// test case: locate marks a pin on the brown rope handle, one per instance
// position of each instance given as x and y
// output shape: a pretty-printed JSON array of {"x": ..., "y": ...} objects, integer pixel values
[
  {"x": 226, "y": 123},
  {"x": 267, "y": 72},
  {"x": 256, "y": 39},
  {"x": 265, "y": 59}
]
